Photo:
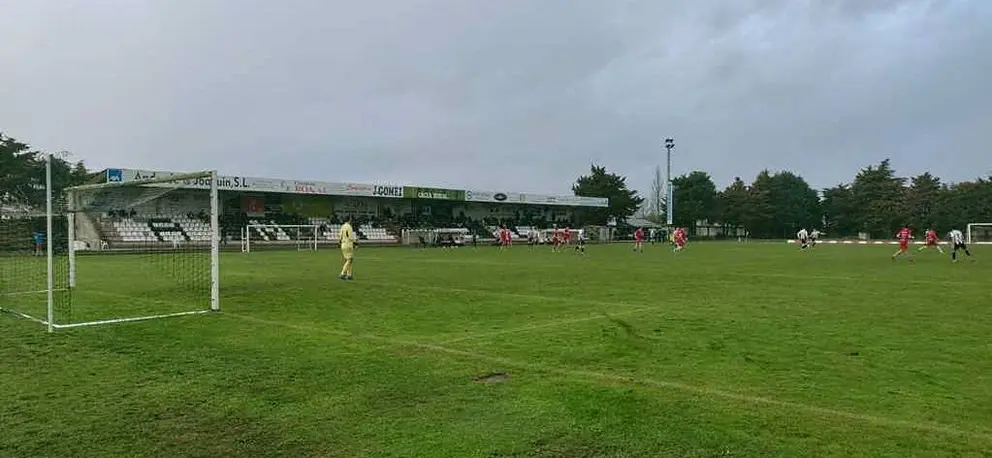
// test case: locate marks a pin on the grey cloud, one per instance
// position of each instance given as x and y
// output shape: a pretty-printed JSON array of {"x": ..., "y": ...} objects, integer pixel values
[{"x": 513, "y": 94}]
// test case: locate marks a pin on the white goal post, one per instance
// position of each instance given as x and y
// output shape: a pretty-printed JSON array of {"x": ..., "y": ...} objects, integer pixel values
[
  {"x": 114, "y": 252},
  {"x": 303, "y": 236},
  {"x": 979, "y": 234}
]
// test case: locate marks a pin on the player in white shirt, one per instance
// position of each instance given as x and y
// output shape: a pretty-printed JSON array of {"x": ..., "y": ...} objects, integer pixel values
[
  {"x": 957, "y": 238},
  {"x": 803, "y": 237},
  {"x": 813, "y": 236}
]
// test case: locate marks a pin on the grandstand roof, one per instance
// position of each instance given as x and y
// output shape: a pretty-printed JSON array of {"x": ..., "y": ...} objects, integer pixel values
[{"x": 377, "y": 190}]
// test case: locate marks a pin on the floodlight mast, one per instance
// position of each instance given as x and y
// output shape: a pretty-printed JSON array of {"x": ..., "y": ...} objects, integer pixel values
[{"x": 669, "y": 194}]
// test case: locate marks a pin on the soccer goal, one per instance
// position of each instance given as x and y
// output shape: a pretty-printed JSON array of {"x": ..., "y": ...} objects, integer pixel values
[
  {"x": 114, "y": 252},
  {"x": 303, "y": 237},
  {"x": 979, "y": 234}
]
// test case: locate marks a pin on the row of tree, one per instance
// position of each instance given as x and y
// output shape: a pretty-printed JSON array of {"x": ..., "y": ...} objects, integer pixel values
[
  {"x": 776, "y": 204},
  {"x": 877, "y": 202},
  {"x": 22, "y": 174}
]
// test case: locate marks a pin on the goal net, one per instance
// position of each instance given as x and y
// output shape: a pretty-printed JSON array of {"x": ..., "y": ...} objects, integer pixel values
[
  {"x": 259, "y": 236},
  {"x": 114, "y": 252},
  {"x": 547, "y": 235},
  {"x": 979, "y": 234}
]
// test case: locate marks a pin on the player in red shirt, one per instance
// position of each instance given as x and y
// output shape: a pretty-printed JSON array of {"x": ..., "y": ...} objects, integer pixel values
[
  {"x": 680, "y": 239},
  {"x": 566, "y": 236},
  {"x": 504, "y": 238},
  {"x": 639, "y": 239},
  {"x": 931, "y": 241},
  {"x": 904, "y": 235},
  {"x": 555, "y": 239}
]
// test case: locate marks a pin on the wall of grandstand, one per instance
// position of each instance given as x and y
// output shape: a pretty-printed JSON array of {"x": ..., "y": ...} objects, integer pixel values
[
  {"x": 182, "y": 216},
  {"x": 179, "y": 214},
  {"x": 190, "y": 201}
]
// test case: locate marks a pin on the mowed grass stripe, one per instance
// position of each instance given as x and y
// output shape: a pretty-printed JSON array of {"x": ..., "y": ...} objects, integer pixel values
[{"x": 627, "y": 379}]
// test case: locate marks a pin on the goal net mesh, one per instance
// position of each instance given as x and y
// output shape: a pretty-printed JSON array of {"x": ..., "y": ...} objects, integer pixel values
[
  {"x": 979, "y": 233},
  {"x": 121, "y": 252},
  {"x": 24, "y": 259}
]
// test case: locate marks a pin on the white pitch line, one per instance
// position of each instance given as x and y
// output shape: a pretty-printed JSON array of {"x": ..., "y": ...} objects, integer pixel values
[
  {"x": 26, "y": 293},
  {"x": 618, "y": 378}
]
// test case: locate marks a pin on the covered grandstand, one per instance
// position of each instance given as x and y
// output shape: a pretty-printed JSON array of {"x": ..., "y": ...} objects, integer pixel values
[{"x": 280, "y": 212}]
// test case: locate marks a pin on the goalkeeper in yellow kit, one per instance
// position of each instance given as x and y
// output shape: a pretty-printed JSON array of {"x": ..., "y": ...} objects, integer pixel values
[{"x": 348, "y": 240}]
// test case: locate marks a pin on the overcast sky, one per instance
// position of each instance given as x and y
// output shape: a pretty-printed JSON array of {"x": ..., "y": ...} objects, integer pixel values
[{"x": 503, "y": 94}]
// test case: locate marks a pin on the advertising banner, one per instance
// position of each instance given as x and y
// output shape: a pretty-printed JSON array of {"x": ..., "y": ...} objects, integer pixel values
[
  {"x": 240, "y": 183},
  {"x": 223, "y": 182},
  {"x": 491, "y": 196},
  {"x": 237, "y": 183},
  {"x": 367, "y": 190},
  {"x": 534, "y": 199},
  {"x": 413, "y": 192}
]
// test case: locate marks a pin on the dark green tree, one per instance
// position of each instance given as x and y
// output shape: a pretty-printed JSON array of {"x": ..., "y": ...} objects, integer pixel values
[
  {"x": 22, "y": 174},
  {"x": 921, "y": 199},
  {"x": 695, "y": 199},
  {"x": 19, "y": 177},
  {"x": 781, "y": 203},
  {"x": 732, "y": 204},
  {"x": 839, "y": 212},
  {"x": 600, "y": 183},
  {"x": 878, "y": 196},
  {"x": 760, "y": 215},
  {"x": 964, "y": 203},
  {"x": 796, "y": 204}
]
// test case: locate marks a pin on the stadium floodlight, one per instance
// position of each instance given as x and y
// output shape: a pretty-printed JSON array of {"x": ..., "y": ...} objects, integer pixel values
[
  {"x": 669, "y": 193},
  {"x": 302, "y": 236},
  {"x": 979, "y": 234},
  {"x": 113, "y": 252}
]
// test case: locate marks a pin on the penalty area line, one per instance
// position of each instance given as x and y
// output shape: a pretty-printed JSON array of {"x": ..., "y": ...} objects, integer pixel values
[{"x": 625, "y": 379}]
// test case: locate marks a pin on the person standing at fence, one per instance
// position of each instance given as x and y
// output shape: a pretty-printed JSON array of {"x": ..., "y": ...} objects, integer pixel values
[
  {"x": 347, "y": 238},
  {"x": 39, "y": 243}
]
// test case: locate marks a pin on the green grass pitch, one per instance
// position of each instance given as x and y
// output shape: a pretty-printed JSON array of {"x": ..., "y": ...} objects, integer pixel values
[{"x": 725, "y": 350}]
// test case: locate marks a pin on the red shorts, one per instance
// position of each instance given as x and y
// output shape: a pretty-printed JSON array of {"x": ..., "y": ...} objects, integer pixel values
[
  {"x": 903, "y": 245},
  {"x": 639, "y": 240},
  {"x": 931, "y": 242}
]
